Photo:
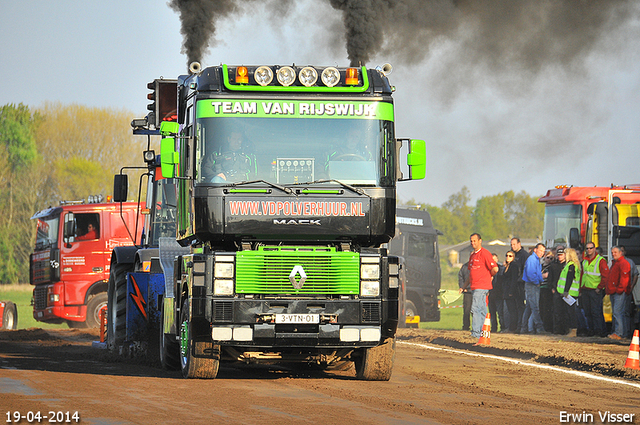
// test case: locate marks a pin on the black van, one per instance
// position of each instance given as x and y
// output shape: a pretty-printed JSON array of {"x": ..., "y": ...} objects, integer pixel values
[{"x": 417, "y": 242}]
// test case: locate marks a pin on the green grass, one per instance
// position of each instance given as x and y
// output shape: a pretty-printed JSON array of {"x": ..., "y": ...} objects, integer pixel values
[
  {"x": 450, "y": 318},
  {"x": 21, "y": 295}
]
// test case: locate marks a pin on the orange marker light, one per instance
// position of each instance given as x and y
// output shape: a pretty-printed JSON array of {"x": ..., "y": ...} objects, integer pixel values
[
  {"x": 352, "y": 77},
  {"x": 242, "y": 75}
]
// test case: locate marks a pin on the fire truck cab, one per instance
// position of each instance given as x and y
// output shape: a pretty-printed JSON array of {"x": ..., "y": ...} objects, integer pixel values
[{"x": 69, "y": 266}]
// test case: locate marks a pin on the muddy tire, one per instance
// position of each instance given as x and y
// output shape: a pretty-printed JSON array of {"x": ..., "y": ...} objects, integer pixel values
[
  {"x": 195, "y": 366},
  {"x": 169, "y": 349},
  {"x": 117, "y": 305},
  {"x": 410, "y": 309},
  {"x": 9, "y": 316},
  {"x": 96, "y": 303},
  {"x": 376, "y": 364}
]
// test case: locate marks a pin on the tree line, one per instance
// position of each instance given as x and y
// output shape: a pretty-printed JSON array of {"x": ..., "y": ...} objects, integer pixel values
[
  {"x": 500, "y": 216},
  {"x": 52, "y": 153}
]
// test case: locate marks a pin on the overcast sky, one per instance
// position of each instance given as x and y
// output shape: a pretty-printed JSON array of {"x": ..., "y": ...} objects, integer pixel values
[{"x": 490, "y": 126}]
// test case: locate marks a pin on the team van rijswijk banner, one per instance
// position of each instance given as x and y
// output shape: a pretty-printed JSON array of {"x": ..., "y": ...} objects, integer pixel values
[{"x": 271, "y": 108}]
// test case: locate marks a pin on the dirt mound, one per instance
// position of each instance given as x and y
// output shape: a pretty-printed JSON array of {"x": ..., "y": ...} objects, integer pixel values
[{"x": 594, "y": 354}]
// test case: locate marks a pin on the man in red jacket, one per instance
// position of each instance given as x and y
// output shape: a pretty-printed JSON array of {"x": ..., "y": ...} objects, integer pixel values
[
  {"x": 482, "y": 267},
  {"x": 617, "y": 291}
]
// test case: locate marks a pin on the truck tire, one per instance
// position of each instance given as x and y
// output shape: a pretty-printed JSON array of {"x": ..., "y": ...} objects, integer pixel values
[
  {"x": 117, "y": 305},
  {"x": 410, "y": 309},
  {"x": 169, "y": 347},
  {"x": 376, "y": 364},
  {"x": 9, "y": 316},
  {"x": 192, "y": 366},
  {"x": 96, "y": 303}
]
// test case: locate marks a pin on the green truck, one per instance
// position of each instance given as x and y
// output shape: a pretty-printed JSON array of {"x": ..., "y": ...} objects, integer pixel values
[{"x": 286, "y": 191}]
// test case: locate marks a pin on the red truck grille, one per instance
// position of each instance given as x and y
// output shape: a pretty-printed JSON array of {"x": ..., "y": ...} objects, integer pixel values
[
  {"x": 40, "y": 267},
  {"x": 40, "y": 297}
]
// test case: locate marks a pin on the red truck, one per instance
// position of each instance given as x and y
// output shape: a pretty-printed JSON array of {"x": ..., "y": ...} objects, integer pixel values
[
  {"x": 606, "y": 216},
  {"x": 69, "y": 266}
]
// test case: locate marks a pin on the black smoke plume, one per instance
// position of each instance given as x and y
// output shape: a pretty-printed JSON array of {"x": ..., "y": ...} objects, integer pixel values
[
  {"x": 495, "y": 35},
  {"x": 198, "y": 20}
]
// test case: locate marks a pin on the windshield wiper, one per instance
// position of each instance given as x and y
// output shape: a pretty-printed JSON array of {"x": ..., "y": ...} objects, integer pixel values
[
  {"x": 348, "y": 186},
  {"x": 277, "y": 186}
]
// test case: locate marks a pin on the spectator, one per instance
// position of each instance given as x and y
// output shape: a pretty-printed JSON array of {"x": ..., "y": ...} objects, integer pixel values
[
  {"x": 510, "y": 278},
  {"x": 635, "y": 295},
  {"x": 546, "y": 294},
  {"x": 495, "y": 298},
  {"x": 595, "y": 273},
  {"x": 532, "y": 276},
  {"x": 481, "y": 269},
  {"x": 568, "y": 287},
  {"x": 617, "y": 291},
  {"x": 628, "y": 311},
  {"x": 521, "y": 259},
  {"x": 463, "y": 284},
  {"x": 560, "y": 307}
]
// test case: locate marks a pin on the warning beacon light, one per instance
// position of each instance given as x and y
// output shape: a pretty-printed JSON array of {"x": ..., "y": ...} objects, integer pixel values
[
  {"x": 242, "y": 75},
  {"x": 352, "y": 77}
]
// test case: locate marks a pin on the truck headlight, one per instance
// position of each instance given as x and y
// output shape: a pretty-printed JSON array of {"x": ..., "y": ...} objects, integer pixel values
[
  {"x": 369, "y": 288},
  {"x": 223, "y": 270},
  {"x": 286, "y": 75},
  {"x": 370, "y": 271},
  {"x": 330, "y": 76},
  {"x": 222, "y": 287}
]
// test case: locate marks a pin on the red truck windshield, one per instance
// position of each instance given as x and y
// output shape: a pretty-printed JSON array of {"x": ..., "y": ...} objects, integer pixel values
[{"x": 47, "y": 232}]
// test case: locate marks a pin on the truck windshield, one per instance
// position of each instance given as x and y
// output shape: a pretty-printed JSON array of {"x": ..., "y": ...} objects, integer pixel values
[
  {"x": 558, "y": 219},
  {"x": 47, "y": 232},
  {"x": 164, "y": 213},
  {"x": 295, "y": 150}
]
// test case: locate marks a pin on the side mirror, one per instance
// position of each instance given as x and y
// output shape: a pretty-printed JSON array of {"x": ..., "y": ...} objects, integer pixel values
[
  {"x": 417, "y": 159},
  {"x": 574, "y": 238},
  {"x": 169, "y": 157},
  {"x": 120, "y": 187},
  {"x": 69, "y": 229}
]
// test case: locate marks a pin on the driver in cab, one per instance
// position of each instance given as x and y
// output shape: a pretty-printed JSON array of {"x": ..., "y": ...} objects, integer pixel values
[
  {"x": 351, "y": 150},
  {"x": 231, "y": 164}
]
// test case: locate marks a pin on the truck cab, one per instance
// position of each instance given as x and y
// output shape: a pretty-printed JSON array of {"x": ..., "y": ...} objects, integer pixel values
[
  {"x": 69, "y": 266},
  {"x": 286, "y": 194},
  {"x": 416, "y": 240}
]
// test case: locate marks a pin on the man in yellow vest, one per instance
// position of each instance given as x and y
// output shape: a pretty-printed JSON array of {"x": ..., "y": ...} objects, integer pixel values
[{"x": 595, "y": 273}]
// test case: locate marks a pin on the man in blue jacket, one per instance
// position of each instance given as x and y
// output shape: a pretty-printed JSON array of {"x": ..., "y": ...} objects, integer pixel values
[{"x": 532, "y": 276}]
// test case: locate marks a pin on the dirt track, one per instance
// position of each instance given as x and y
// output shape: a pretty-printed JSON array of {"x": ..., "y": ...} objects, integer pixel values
[{"x": 58, "y": 370}]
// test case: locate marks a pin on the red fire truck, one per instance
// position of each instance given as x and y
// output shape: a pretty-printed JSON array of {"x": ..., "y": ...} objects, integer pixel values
[
  {"x": 69, "y": 267},
  {"x": 607, "y": 216}
]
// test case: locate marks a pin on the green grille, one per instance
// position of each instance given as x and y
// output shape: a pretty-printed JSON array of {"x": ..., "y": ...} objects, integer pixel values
[{"x": 267, "y": 270}]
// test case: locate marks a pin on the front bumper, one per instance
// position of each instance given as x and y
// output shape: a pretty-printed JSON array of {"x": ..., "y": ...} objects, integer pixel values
[{"x": 252, "y": 323}]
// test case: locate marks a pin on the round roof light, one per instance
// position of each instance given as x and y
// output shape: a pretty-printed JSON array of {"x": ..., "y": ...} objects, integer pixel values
[
  {"x": 263, "y": 75},
  {"x": 330, "y": 76},
  {"x": 286, "y": 75},
  {"x": 308, "y": 76}
]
